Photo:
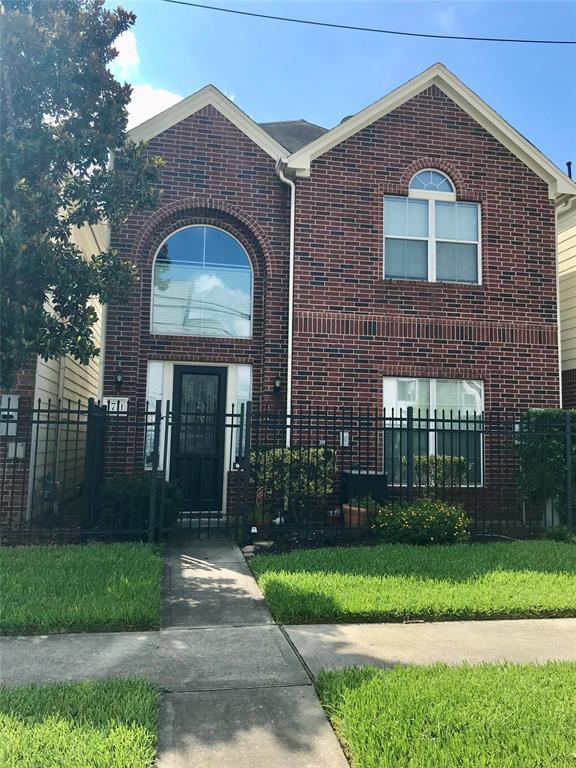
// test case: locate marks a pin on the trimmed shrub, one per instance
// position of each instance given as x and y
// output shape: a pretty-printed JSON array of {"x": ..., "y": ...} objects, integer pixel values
[
  {"x": 541, "y": 446},
  {"x": 125, "y": 502},
  {"x": 294, "y": 483},
  {"x": 560, "y": 533},
  {"x": 426, "y": 521},
  {"x": 438, "y": 471}
]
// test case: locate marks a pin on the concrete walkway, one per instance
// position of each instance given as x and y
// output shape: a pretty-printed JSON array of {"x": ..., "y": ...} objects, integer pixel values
[{"x": 245, "y": 700}]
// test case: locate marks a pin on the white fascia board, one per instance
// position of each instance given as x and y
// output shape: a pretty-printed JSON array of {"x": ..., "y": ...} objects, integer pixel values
[
  {"x": 439, "y": 75},
  {"x": 209, "y": 95}
]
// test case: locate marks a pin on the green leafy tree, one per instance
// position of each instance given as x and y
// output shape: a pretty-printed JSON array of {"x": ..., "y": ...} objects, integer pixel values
[{"x": 65, "y": 162}]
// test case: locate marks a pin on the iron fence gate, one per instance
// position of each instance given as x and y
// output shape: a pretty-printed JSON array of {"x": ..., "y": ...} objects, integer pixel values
[{"x": 85, "y": 472}]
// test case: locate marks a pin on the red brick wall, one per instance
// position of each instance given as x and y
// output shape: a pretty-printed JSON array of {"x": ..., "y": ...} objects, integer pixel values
[
  {"x": 353, "y": 327},
  {"x": 14, "y": 472},
  {"x": 213, "y": 174}
]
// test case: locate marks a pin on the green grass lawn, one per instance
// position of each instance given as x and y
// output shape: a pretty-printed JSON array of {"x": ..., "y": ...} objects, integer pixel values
[
  {"x": 78, "y": 725},
  {"x": 488, "y": 716},
  {"x": 79, "y": 588},
  {"x": 394, "y": 582}
]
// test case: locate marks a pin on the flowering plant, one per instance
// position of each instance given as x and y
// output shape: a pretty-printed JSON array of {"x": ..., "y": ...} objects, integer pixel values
[{"x": 426, "y": 521}]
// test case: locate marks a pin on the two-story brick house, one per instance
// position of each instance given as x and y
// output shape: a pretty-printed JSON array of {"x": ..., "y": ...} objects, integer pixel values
[{"x": 407, "y": 256}]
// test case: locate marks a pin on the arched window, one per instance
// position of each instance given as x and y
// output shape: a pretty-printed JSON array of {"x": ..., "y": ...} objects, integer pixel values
[
  {"x": 431, "y": 181},
  {"x": 431, "y": 236},
  {"x": 202, "y": 285}
]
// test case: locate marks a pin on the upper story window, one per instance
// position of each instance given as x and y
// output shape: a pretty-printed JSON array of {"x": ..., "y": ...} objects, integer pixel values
[
  {"x": 202, "y": 285},
  {"x": 429, "y": 235},
  {"x": 432, "y": 181}
]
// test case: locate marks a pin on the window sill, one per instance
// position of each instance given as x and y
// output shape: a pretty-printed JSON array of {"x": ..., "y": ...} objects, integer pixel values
[
  {"x": 402, "y": 282},
  {"x": 174, "y": 337}
]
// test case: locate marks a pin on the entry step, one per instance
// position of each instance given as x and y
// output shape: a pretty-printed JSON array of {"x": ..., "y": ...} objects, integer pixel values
[{"x": 208, "y": 514}]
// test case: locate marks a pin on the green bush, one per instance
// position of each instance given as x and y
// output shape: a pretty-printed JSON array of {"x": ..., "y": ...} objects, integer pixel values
[
  {"x": 541, "y": 446},
  {"x": 560, "y": 533},
  {"x": 432, "y": 471},
  {"x": 292, "y": 482},
  {"x": 125, "y": 502},
  {"x": 426, "y": 521}
]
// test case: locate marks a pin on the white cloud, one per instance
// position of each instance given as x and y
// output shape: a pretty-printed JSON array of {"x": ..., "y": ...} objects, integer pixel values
[
  {"x": 231, "y": 96},
  {"x": 148, "y": 101},
  {"x": 446, "y": 20},
  {"x": 127, "y": 63}
]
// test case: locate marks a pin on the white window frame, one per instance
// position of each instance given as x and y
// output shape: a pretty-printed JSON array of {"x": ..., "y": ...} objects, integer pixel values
[
  {"x": 431, "y": 196},
  {"x": 388, "y": 407}
]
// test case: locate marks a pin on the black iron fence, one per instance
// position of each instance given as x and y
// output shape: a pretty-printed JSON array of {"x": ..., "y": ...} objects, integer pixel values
[
  {"x": 509, "y": 471},
  {"x": 92, "y": 471}
]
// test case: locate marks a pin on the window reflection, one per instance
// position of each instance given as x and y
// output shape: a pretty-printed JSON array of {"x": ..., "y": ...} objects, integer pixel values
[{"x": 202, "y": 285}]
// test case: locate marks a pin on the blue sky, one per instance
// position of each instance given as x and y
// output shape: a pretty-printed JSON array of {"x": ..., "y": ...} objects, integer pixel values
[{"x": 278, "y": 71}]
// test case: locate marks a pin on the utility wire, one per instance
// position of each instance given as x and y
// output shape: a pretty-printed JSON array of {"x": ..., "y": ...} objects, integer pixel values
[{"x": 370, "y": 29}]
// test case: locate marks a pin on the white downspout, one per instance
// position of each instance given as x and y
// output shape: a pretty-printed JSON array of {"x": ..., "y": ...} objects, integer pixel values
[
  {"x": 563, "y": 207},
  {"x": 292, "y": 186}
]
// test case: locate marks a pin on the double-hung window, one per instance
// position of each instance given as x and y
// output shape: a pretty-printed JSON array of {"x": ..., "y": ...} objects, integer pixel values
[
  {"x": 431, "y": 236},
  {"x": 447, "y": 424}
]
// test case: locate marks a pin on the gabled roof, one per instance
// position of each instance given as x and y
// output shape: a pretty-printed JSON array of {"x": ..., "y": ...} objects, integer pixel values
[
  {"x": 558, "y": 183},
  {"x": 197, "y": 101},
  {"x": 293, "y": 134}
]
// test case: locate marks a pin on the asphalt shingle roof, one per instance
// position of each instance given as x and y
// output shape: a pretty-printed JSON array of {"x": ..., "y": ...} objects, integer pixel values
[{"x": 293, "y": 134}]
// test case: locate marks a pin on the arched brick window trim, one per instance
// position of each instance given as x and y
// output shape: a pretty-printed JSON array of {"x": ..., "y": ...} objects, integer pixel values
[
  {"x": 437, "y": 164},
  {"x": 216, "y": 213},
  {"x": 194, "y": 211}
]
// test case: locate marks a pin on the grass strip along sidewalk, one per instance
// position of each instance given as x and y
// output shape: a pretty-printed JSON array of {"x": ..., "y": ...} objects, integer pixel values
[
  {"x": 78, "y": 725},
  {"x": 77, "y": 588},
  {"x": 395, "y": 582},
  {"x": 488, "y": 716}
]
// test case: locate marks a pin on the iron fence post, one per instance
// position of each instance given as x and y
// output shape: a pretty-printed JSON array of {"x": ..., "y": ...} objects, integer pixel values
[
  {"x": 569, "y": 459},
  {"x": 246, "y": 474},
  {"x": 93, "y": 462},
  {"x": 155, "y": 462},
  {"x": 409, "y": 452}
]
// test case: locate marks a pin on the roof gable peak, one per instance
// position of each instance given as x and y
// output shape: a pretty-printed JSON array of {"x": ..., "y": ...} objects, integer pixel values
[
  {"x": 209, "y": 95},
  {"x": 438, "y": 74}
]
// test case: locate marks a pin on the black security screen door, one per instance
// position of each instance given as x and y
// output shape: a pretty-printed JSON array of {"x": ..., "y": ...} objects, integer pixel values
[{"x": 197, "y": 459}]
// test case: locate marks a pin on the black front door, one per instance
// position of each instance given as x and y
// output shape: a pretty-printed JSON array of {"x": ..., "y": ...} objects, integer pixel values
[{"x": 197, "y": 457}]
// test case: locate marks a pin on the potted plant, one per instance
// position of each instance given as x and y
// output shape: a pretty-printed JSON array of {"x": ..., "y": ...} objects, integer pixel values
[{"x": 356, "y": 513}]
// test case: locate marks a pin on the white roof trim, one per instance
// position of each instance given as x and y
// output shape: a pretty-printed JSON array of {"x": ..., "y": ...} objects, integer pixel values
[
  {"x": 439, "y": 75},
  {"x": 194, "y": 103}
]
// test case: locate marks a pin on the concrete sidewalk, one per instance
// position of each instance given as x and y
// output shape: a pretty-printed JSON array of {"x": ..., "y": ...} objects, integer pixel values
[
  {"x": 218, "y": 658},
  {"x": 333, "y": 646}
]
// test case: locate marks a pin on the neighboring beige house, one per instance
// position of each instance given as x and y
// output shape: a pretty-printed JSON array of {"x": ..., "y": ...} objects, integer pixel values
[
  {"x": 567, "y": 279},
  {"x": 45, "y": 446},
  {"x": 65, "y": 379}
]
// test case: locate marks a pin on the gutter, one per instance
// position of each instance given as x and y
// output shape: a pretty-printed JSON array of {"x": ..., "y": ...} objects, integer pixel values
[{"x": 280, "y": 166}]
